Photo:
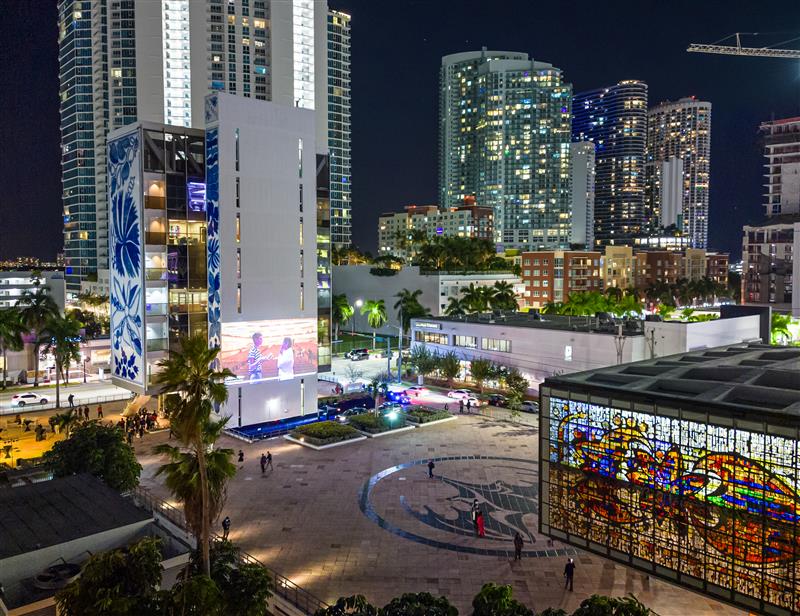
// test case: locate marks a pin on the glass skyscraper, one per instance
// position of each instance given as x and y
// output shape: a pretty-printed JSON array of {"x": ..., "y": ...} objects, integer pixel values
[
  {"x": 339, "y": 126},
  {"x": 615, "y": 120},
  {"x": 504, "y": 133}
]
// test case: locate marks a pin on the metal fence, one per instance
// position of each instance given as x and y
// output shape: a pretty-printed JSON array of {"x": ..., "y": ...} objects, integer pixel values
[
  {"x": 283, "y": 587},
  {"x": 8, "y": 407}
]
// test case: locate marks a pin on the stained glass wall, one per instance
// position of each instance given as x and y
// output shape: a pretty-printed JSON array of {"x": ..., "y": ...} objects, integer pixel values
[{"x": 681, "y": 495}]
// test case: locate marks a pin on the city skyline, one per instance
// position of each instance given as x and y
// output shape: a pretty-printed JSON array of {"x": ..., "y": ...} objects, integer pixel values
[{"x": 670, "y": 72}]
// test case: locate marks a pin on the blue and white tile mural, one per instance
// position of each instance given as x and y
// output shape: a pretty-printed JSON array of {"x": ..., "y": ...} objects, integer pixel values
[
  {"x": 125, "y": 233},
  {"x": 212, "y": 235}
]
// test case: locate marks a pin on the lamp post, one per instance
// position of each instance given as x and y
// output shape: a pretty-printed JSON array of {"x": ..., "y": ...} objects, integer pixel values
[
  {"x": 358, "y": 304},
  {"x": 399, "y": 350}
]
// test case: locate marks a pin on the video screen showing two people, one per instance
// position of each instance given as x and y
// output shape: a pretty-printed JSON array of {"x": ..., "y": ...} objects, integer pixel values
[{"x": 263, "y": 350}]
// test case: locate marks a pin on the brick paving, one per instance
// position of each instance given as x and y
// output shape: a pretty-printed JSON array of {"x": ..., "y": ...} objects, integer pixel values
[{"x": 307, "y": 519}]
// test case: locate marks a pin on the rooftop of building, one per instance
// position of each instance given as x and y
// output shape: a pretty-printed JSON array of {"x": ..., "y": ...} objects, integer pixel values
[
  {"x": 53, "y": 512},
  {"x": 778, "y": 219},
  {"x": 745, "y": 379},
  {"x": 599, "y": 325}
]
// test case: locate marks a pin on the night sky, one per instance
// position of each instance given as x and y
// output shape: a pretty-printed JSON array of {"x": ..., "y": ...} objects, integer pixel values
[{"x": 396, "y": 54}]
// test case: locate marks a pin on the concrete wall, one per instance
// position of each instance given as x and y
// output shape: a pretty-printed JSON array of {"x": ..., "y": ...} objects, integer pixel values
[
  {"x": 278, "y": 238},
  {"x": 676, "y": 337}
]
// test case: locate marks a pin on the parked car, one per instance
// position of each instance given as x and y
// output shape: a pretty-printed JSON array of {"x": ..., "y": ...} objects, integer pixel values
[
  {"x": 345, "y": 416},
  {"x": 529, "y": 406},
  {"x": 460, "y": 394},
  {"x": 390, "y": 407},
  {"x": 498, "y": 400},
  {"x": 416, "y": 390},
  {"x": 28, "y": 398},
  {"x": 357, "y": 354}
]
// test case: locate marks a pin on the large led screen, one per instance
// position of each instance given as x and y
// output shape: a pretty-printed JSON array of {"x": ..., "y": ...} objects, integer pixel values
[
  {"x": 718, "y": 506},
  {"x": 279, "y": 349}
]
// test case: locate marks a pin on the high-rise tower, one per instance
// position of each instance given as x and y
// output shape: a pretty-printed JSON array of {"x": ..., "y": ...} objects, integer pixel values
[
  {"x": 339, "y": 127},
  {"x": 678, "y": 167},
  {"x": 155, "y": 60},
  {"x": 615, "y": 120},
  {"x": 782, "y": 166},
  {"x": 504, "y": 132}
]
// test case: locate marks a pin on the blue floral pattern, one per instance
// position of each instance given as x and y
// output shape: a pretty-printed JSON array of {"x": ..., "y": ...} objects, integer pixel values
[
  {"x": 212, "y": 225},
  {"x": 127, "y": 301}
]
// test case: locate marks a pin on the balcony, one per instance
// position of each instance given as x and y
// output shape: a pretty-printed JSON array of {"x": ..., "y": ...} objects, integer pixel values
[
  {"x": 155, "y": 237},
  {"x": 153, "y": 310},
  {"x": 155, "y": 273},
  {"x": 157, "y": 344},
  {"x": 155, "y": 203}
]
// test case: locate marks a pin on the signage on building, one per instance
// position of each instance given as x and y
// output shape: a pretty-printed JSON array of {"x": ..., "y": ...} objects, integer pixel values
[{"x": 427, "y": 325}]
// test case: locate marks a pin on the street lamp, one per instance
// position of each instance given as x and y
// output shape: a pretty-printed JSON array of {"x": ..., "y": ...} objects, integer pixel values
[
  {"x": 358, "y": 304},
  {"x": 399, "y": 349}
]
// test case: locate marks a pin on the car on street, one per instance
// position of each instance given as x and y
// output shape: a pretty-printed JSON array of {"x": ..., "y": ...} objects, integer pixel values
[
  {"x": 415, "y": 390},
  {"x": 529, "y": 406},
  {"x": 28, "y": 398},
  {"x": 387, "y": 408},
  {"x": 399, "y": 397},
  {"x": 345, "y": 416},
  {"x": 357, "y": 354},
  {"x": 498, "y": 400},
  {"x": 460, "y": 394}
]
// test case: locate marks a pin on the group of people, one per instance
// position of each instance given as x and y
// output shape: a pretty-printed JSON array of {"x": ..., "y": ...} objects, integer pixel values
[{"x": 137, "y": 425}]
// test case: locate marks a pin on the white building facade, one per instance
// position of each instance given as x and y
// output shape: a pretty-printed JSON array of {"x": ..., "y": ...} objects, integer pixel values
[{"x": 582, "y": 170}]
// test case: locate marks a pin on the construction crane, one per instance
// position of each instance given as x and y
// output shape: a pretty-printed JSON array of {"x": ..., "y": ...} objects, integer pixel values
[{"x": 738, "y": 50}]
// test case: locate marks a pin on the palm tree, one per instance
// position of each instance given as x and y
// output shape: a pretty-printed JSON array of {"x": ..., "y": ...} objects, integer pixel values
[
  {"x": 62, "y": 338},
  {"x": 11, "y": 332},
  {"x": 37, "y": 309},
  {"x": 408, "y": 307},
  {"x": 665, "y": 310},
  {"x": 779, "y": 328},
  {"x": 482, "y": 370},
  {"x": 449, "y": 365},
  {"x": 456, "y": 307},
  {"x": 183, "y": 477},
  {"x": 475, "y": 298},
  {"x": 553, "y": 308},
  {"x": 191, "y": 373},
  {"x": 503, "y": 296},
  {"x": 376, "y": 316},
  {"x": 341, "y": 312}
]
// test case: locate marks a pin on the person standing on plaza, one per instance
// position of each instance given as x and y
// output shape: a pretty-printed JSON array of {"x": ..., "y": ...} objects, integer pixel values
[
  {"x": 569, "y": 573},
  {"x": 461, "y": 406},
  {"x": 474, "y": 513},
  {"x": 99, "y": 411},
  {"x": 226, "y": 527},
  {"x": 263, "y": 463},
  {"x": 480, "y": 523},
  {"x": 431, "y": 466},
  {"x": 71, "y": 400},
  {"x": 241, "y": 458},
  {"x": 518, "y": 543},
  {"x": 269, "y": 460},
  {"x": 469, "y": 406},
  {"x": 86, "y": 412}
]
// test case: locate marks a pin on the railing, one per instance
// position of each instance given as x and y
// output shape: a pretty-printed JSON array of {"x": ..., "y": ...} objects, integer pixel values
[
  {"x": 282, "y": 586},
  {"x": 11, "y": 408}
]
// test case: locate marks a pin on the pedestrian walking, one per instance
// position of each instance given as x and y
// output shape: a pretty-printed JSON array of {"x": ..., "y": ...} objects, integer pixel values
[
  {"x": 469, "y": 406},
  {"x": 479, "y": 521},
  {"x": 226, "y": 527},
  {"x": 518, "y": 543},
  {"x": 241, "y": 458},
  {"x": 431, "y": 466},
  {"x": 86, "y": 412},
  {"x": 569, "y": 572},
  {"x": 71, "y": 400},
  {"x": 263, "y": 463},
  {"x": 461, "y": 406},
  {"x": 474, "y": 513},
  {"x": 269, "y": 460},
  {"x": 99, "y": 411}
]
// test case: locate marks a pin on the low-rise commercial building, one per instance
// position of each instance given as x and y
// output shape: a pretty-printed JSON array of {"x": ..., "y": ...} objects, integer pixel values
[
  {"x": 14, "y": 284},
  {"x": 619, "y": 267},
  {"x": 684, "y": 468},
  {"x": 551, "y": 276},
  {"x": 395, "y": 228},
  {"x": 541, "y": 347}
]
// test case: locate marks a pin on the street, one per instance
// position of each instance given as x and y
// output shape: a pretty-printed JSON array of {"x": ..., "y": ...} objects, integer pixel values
[{"x": 85, "y": 393}]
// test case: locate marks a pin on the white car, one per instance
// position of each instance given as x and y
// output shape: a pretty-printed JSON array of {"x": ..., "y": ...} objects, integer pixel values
[
  {"x": 460, "y": 394},
  {"x": 416, "y": 390},
  {"x": 28, "y": 398},
  {"x": 529, "y": 406}
]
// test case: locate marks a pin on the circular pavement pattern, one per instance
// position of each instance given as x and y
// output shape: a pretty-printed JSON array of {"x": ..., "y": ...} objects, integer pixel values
[{"x": 437, "y": 512}]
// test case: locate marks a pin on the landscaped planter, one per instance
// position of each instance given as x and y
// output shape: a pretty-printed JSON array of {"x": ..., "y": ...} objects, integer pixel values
[
  {"x": 324, "y": 434},
  {"x": 374, "y": 426},
  {"x": 421, "y": 416}
]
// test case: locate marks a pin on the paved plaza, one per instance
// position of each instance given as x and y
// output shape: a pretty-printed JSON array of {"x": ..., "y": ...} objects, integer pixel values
[{"x": 365, "y": 518}]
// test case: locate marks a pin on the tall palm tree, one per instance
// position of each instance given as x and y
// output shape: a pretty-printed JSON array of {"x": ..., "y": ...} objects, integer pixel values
[
  {"x": 62, "y": 338},
  {"x": 376, "y": 315},
  {"x": 341, "y": 311},
  {"x": 184, "y": 475},
  {"x": 456, "y": 307},
  {"x": 191, "y": 373},
  {"x": 37, "y": 308},
  {"x": 11, "y": 332},
  {"x": 475, "y": 298},
  {"x": 503, "y": 296},
  {"x": 779, "y": 328},
  {"x": 408, "y": 307}
]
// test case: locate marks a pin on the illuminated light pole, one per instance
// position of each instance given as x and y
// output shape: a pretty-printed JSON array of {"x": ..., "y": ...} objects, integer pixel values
[{"x": 358, "y": 304}]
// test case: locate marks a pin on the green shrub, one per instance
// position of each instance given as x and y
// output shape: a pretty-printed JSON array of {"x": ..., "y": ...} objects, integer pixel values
[
  {"x": 325, "y": 432},
  {"x": 373, "y": 424},
  {"x": 424, "y": 414}
]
